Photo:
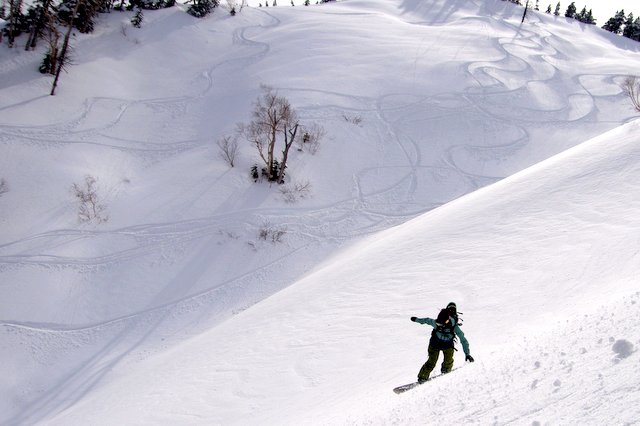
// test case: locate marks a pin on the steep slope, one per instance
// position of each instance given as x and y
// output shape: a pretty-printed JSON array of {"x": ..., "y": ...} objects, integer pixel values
[
  {"x": 544, "y": 264},
  {"x": 423, "y": 102}
]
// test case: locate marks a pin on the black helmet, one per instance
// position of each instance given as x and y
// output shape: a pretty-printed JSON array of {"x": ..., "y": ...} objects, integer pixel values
[
  {"x": 443, "y": 317},
  {"x": 452, "y": 307}
]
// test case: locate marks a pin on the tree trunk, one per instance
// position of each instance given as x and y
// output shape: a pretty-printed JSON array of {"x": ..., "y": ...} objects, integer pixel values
[
  {"x": 272, "y": 147},
  {"x": 524, "y": 15},
  {"x": 62, "y": 59},
  {"x": 288, "y": 141},
  {"x": 14, "y": 19},
  {"x": 39, "y": 26}
]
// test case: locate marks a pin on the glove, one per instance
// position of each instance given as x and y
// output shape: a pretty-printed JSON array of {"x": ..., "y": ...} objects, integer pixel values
[
  {"x": 414, "y": 319},
  {"x": 468, "y": 358}
]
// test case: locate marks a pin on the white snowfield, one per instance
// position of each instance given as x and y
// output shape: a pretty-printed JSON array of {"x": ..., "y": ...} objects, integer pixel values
[{"x": 468, "y": 158}]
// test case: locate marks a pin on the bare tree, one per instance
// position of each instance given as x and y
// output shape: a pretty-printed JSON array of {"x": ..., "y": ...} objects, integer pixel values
[
  {"x": 631, "y": 87},
  {"x": 228, "y": 149},
  {"x": 274, "y": 120},
  {"x": 89, "y": 208}
]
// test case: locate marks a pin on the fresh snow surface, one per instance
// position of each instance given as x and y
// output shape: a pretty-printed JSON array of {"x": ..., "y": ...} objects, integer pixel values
[{"x": 468, "y": 157}]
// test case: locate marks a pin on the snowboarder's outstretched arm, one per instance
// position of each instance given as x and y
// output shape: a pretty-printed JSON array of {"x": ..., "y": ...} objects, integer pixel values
[
  {"x": 429, "y": 321},
  {"x": 463, "y": 341}
]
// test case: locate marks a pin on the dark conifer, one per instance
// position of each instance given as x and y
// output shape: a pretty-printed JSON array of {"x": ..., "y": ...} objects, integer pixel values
[
  {"x": 571, "y": 11},
  {"x": 614, "y": 24},
  {"x": 136, "y": 21}
]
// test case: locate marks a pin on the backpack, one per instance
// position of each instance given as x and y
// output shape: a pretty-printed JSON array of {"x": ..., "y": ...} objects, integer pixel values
[{"x": 443, "y": 335}]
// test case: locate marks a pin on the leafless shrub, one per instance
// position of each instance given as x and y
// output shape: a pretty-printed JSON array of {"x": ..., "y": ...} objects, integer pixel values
[
  {"x": 294, "y": 191},
  {"x": 311, "y": 137},
  {"x": 228, "y": 149},
  {"x": 4, "y": 186},
  {"x": 89, "y": 208},
  {"x": 270, "y": 233},
  {"x": 631, "y": 87},
  {"x": 353, "y": 119}
]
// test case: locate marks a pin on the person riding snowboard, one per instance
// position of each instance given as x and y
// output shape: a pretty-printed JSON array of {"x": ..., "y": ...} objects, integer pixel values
[{"x": 445, "y": 328}]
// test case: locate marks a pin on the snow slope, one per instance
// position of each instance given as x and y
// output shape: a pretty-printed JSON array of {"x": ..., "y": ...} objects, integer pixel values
[{"x": 175, "y": 311}]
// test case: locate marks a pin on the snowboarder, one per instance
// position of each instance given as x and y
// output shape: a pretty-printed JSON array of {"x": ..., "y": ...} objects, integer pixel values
[{"x": 445, "y": 328}]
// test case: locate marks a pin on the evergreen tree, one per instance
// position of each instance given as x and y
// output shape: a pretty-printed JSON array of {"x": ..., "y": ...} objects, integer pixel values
[
  {"x": 537, "y": 5},
  {"x": 63, "y": 58},
  {"x": 43, "y": 13},
  {"x": 86, "y": 12},
  {"x": 571, "y": 11},
  {"x": 52, "y": 36},
  {"x": 557, "y": 11},
  {"x": 13, "y": 27},
  {"x": 589, "y": 19},
  {"x": 585, "y": 16},
  {"x": 201, "y": 8},
  {"x": 628, "y": 26},
  {"x": 634, "y": 30},
  {"x": 614, "y": 24},
  {"x": 136, "y": 21},
  {"x": 548, "y": 11}
]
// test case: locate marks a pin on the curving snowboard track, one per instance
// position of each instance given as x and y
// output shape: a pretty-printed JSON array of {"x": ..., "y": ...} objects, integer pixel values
[{"x": 425, "y": 169}]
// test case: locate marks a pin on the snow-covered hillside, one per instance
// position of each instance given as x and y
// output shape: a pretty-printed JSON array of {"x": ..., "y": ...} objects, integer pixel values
[{"x": 175, "y": 311}]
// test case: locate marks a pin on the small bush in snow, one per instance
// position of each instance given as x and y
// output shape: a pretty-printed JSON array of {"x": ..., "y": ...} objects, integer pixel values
[
  {"x": 228, "y": 149},
  {"x": 631, "y": 87},
  {"x": 89, "y": 208},
  {"x": 4, "y": 187},
  {"x": 355, "y": 119},
  {"x": 46, "y": 66},
  {"x": 295, "y": 191},
  {"x": 311, "y": 137},
  {"x": 271, "y": 233},
  {"x": 264, "y": 173}
]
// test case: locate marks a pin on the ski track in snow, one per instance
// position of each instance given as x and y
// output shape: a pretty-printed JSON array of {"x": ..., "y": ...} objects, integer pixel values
[
  {"x": 527, "y": 57},
  {"x": 493, "y": 77}
]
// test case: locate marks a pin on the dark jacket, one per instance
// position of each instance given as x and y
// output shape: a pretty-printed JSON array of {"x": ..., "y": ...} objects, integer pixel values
[{"x": 437, "y": 345}]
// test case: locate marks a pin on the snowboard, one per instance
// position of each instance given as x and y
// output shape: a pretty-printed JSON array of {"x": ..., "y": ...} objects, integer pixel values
[{"x": 409, "y": 386}]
